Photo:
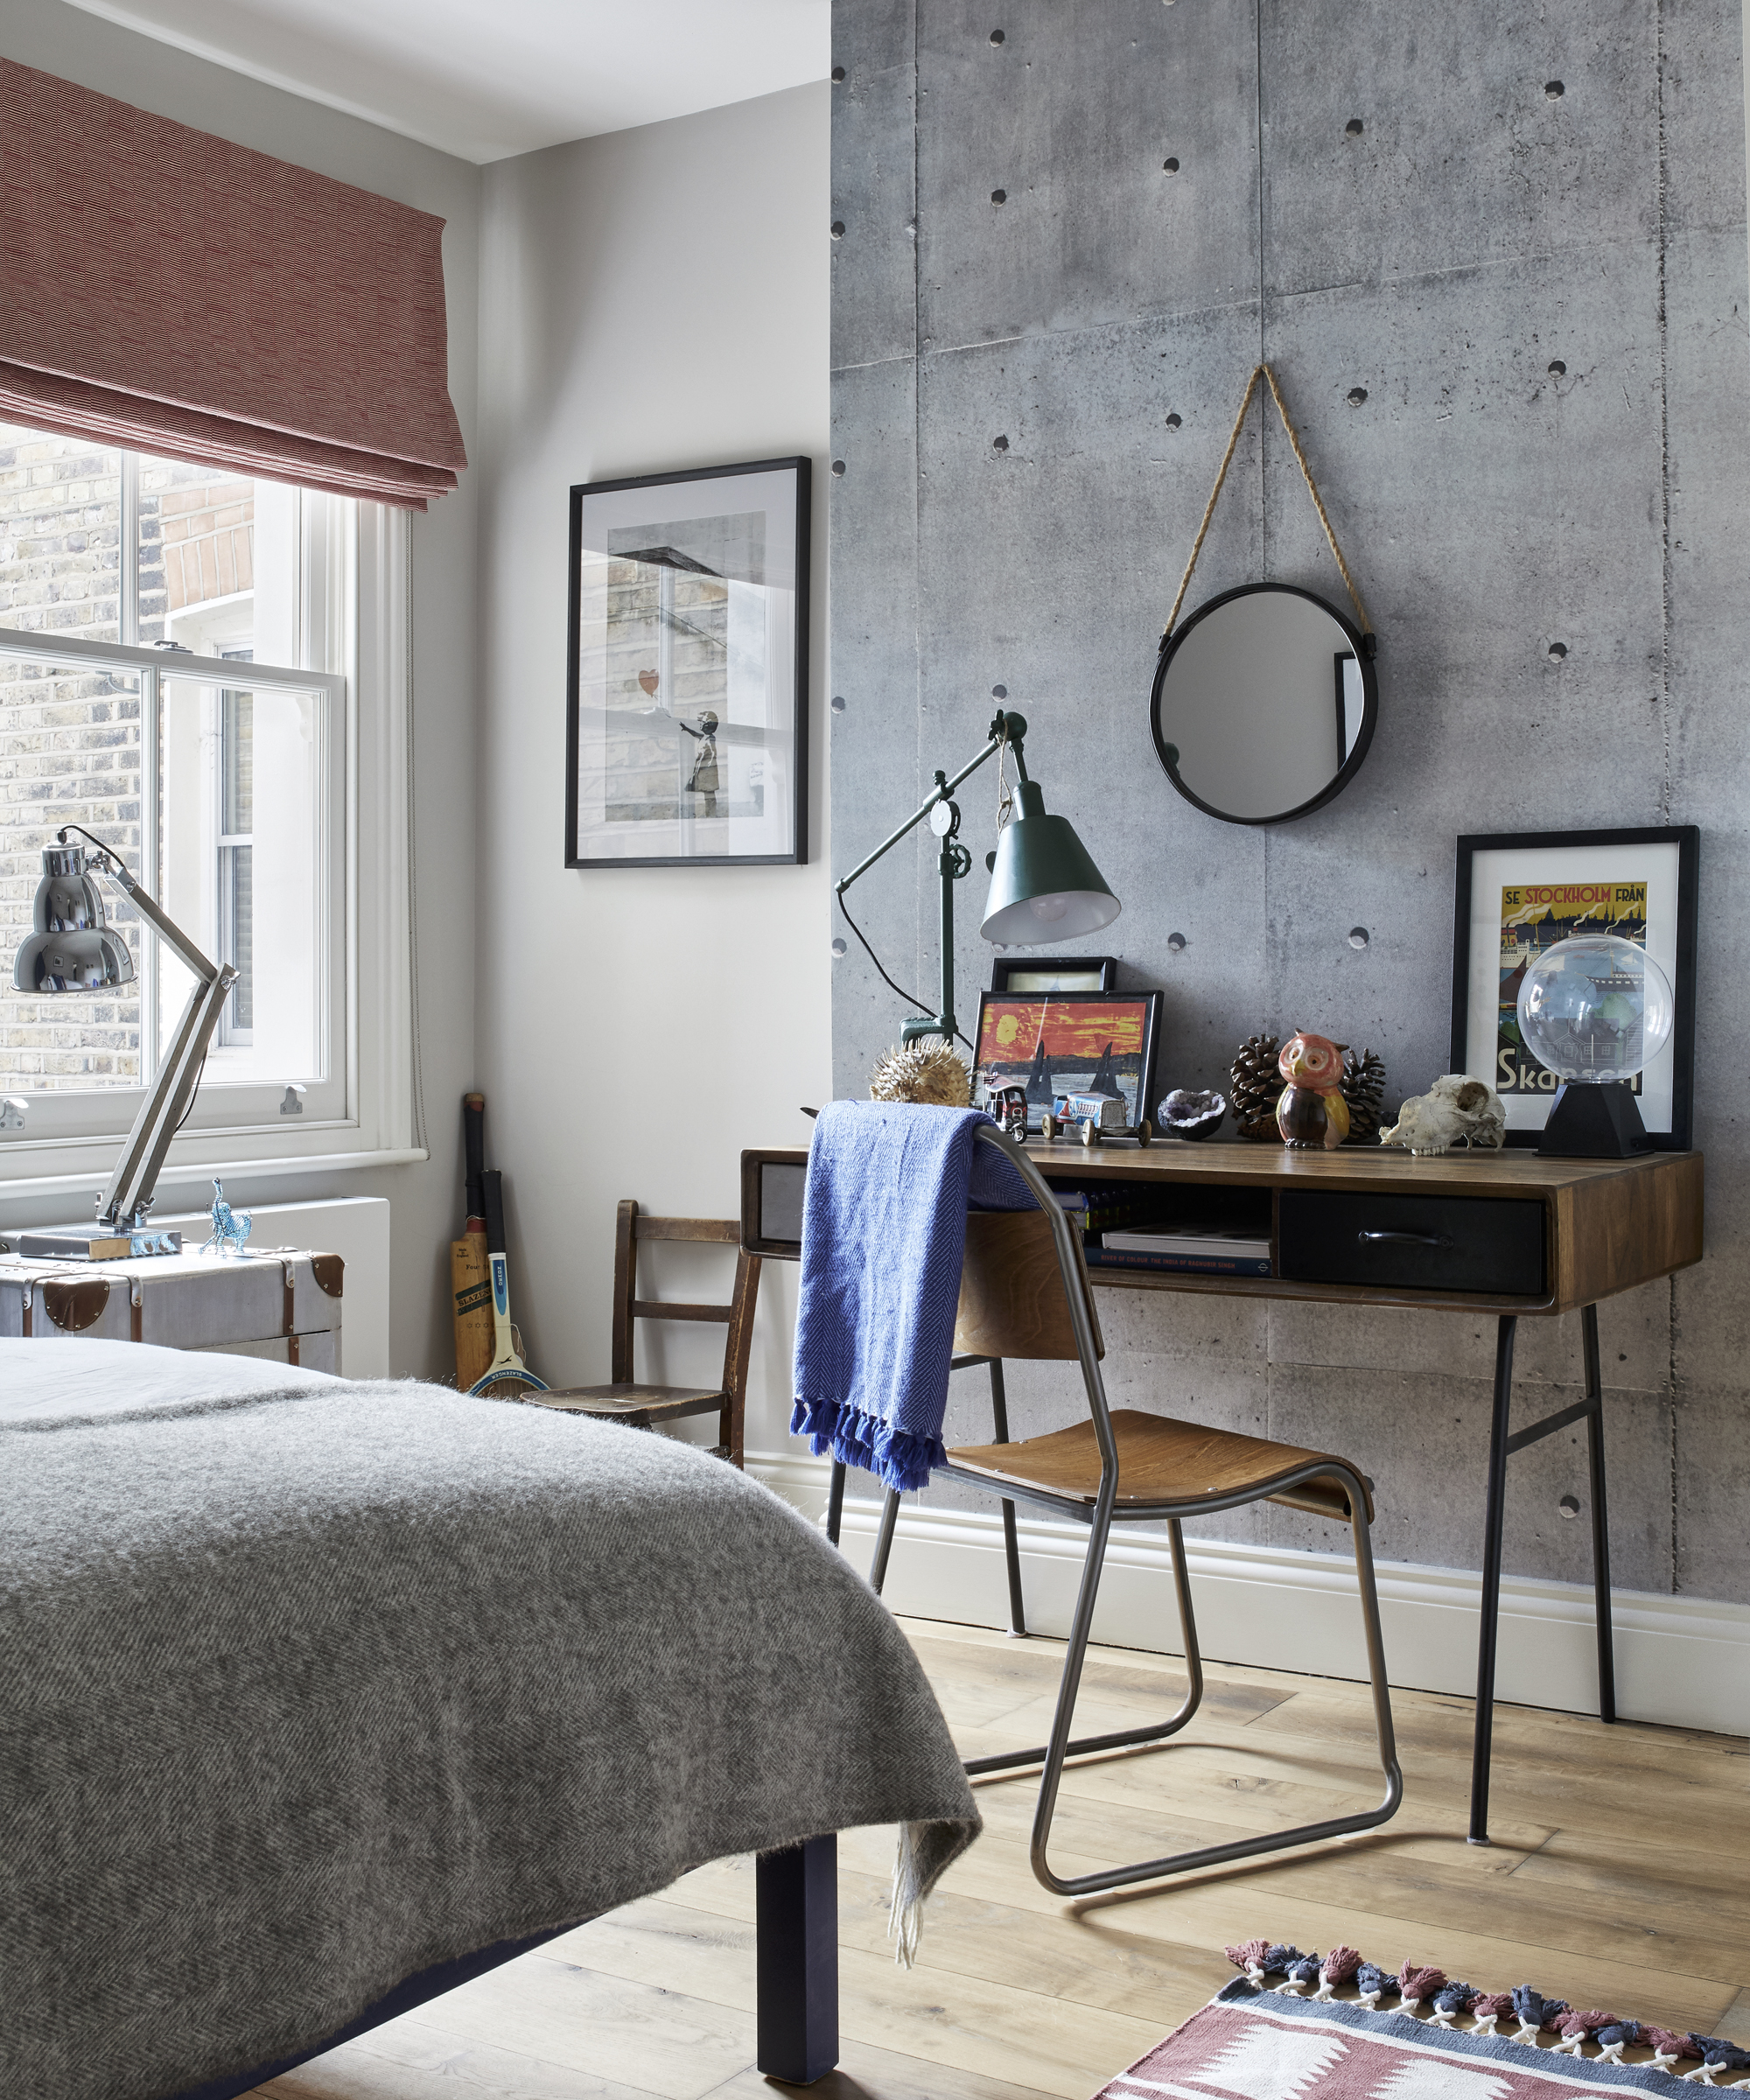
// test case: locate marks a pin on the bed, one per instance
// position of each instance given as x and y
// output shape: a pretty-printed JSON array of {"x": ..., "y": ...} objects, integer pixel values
[{"x": 322, "y": 1696}]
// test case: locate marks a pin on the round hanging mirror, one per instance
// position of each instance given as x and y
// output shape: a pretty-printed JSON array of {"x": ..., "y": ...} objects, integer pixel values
[{"x": 1265, "y": 703}]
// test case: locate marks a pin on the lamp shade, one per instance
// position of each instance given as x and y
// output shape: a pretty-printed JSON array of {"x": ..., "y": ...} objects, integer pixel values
[
  {"x": 1045, "y": 886},
  {"x": 71, "y": 949}
]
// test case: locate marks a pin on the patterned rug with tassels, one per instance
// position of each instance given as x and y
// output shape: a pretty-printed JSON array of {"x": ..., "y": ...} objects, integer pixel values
[{"x": 1302, "y": 2027}]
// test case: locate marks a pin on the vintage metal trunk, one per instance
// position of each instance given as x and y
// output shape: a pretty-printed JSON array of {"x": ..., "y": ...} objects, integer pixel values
[{"x": 284, "y": 1306}]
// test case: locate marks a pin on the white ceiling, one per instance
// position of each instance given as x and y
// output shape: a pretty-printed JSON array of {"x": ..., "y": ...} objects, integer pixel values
[{"x": 484, "y": 78}]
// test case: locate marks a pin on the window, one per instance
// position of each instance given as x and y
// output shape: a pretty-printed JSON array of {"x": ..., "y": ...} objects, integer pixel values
[{"x": 178, "y": 676}]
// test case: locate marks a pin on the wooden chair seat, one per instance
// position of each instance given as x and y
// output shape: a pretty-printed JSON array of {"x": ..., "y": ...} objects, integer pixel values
[
  {"x": 1161, "y": 1463},
  {"x": 635, "y": 1405}
]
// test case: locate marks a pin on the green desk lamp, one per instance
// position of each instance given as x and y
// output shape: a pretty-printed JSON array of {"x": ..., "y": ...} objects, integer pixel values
[
  {"x": 71, "y": 949},
  {"x": 1044, "y": 885}
]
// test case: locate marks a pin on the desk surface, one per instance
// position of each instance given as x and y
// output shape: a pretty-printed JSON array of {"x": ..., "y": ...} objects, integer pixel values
[{"x": 1608, "y": 1224}]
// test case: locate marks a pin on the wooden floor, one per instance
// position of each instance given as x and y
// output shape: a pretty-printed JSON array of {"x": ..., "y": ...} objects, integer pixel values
[{"x": 1620, "y": 1877}]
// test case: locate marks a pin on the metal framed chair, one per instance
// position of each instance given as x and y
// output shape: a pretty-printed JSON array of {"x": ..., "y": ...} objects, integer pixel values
[
  {"x": 1025, "y": 1294},
  {"x": 626, "y": 1398}
]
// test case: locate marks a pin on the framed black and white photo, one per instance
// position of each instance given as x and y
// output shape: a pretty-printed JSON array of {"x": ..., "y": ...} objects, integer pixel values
[
  {"x": 1023, "y": 974},
  {"x": 687, "y": 675},
  {"x": 1518, "y": 893}
]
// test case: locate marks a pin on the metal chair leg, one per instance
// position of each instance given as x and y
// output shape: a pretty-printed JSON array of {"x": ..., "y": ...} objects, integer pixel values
[
  {"x": 835, "y": 1502},
  {"x": 1245, "y": 1848},
  {"x": 884, "y": 1542},
  {"x": 1011, "y": 1552}
]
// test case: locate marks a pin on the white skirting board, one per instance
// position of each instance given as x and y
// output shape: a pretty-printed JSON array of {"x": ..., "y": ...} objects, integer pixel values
[{"x": 1679, "y": 1660}]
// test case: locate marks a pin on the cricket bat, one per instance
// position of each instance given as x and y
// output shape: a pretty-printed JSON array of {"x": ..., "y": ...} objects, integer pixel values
[
  {"x": 506, "y": 1377},
  {"x": 469, "y": 1270}
]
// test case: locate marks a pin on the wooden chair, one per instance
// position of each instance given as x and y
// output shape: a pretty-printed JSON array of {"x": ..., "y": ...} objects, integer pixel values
[
  {"x": 626, "y": 1399},
  {"x": 1025, "y": 1294}
]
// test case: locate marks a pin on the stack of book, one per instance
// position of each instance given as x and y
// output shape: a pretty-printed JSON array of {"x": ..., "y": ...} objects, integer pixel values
[
  {"x": 1094, "y": 1211},
  {"x": 1205, "y": 1249}
]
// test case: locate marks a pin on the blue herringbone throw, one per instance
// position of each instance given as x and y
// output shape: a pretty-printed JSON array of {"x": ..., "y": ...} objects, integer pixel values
[{"x": 884, "y": 1234}]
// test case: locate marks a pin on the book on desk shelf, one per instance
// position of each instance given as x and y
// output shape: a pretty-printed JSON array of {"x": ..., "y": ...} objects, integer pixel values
[{"x": 1196, "y": 1249}]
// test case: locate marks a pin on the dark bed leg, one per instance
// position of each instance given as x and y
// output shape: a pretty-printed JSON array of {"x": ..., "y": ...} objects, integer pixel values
[{"x": 796, "y": 1901}]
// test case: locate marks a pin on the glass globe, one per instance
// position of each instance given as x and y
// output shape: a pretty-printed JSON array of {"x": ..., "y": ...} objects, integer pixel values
[{"x": 1595, "y": 1007}]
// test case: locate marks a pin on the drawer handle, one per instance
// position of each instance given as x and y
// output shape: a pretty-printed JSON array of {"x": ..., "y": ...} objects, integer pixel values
[{"x": 1404, "y": 1239}]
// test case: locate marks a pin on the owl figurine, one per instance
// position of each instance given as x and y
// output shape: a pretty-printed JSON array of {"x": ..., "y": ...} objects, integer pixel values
[{"x": 1313, "y": 1114}]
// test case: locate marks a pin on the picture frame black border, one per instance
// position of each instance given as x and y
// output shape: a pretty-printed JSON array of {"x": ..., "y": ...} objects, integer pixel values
[
  {"x": 1365, "y": 647},
  {"x": 1687, "y": 839},
  {"x": 1002, "y": 967},
  {"x": 802, "y": 466},
  {"x": 1151, "y": 1002}
]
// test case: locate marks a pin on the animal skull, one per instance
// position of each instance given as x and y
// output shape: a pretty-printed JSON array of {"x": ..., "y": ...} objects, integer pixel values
[{"x": 1457, "y": 1109}]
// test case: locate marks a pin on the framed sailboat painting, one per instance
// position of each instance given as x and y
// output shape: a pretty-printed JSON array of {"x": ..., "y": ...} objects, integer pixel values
[
  {"x": 1070, "y": 1042},
  {"x": 686, "y": 690}
]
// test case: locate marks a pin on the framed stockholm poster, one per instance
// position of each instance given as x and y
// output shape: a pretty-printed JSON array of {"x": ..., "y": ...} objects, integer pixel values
[
  {"x": 1516, "y": 894},
  {"x": 686, "y": 687}
]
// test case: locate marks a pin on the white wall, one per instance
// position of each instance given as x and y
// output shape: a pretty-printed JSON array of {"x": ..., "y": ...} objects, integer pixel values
[
  {"x": 651, "y": 300},
  {"x": 426, "y": 1197}
]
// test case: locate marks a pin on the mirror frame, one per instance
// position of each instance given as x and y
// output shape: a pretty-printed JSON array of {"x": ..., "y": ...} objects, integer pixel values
[{"x": 1364, "y": 646}]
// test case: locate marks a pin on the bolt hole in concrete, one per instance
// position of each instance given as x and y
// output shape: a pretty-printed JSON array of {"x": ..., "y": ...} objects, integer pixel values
[
  {"x": 1358, "y": 936},
  {"x": 999, "y": 196},
  {"x": 999, "y": 444},
  {"x": 1173, "y": 423},
  {"x": 996, "y": 37},
  {"x": 1355, "y": 127},
  {"x": 838, "y": 945},
  {"x": 1557, "y": 650},
  {"x": 838, "y": 704},
  {"x": 1557, "y": 369},
  {"x": 1176, "y": 942},
  {"x": 999, "y": 692},
  {"x": 1171, "y": 167},
  {"x": 838, "y": 73},
  {"x": 837, "y": 229},
  {"x": 838, "y": 466},
  {"x": 1553, "y": 91},
  {"x": 1569, "y": 1505},
  {"x": 1357, "y": 396}
]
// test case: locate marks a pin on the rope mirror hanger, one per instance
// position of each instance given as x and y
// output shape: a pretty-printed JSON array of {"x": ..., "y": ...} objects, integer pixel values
[{"x": 1265, "y": 698}]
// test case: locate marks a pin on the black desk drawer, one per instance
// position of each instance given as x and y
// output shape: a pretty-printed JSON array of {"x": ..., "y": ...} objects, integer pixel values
[{"x": 1493, "y": 1244}]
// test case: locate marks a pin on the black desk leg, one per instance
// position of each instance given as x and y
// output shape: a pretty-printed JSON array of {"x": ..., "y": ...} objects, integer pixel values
[
  {"x": 1494, "y": 1515},
  {"x": 1600, "y": 1517},
  {"x": 796, "y": 1901}
]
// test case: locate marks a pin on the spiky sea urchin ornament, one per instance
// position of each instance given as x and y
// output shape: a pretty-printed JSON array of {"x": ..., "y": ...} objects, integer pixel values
[
  {"x": 1257, "y": 1086},
  {"x": 1364, "y": 1090},
  {"x": 930, "y": 1072}
]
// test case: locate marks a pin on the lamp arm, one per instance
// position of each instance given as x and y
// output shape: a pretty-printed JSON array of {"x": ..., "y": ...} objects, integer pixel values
[
  {"x": 1006, "y": 729},
  {"x": 127, "y": 1198}
]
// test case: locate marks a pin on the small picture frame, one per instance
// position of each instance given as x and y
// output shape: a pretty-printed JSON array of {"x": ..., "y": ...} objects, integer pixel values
[
  {"x": 1035, "y": 974},
  {"x": 686, "y": 681},
  {"x": 1518, "y": 892},
  {"x": 1069, "y": 1042}
]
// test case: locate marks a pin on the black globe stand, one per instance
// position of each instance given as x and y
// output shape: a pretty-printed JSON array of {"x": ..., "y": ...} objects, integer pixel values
[{"x": 1594, "y": 1119}]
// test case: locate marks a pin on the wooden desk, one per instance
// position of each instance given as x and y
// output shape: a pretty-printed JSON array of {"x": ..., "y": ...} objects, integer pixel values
[{"x": 1503, "y": 1233}]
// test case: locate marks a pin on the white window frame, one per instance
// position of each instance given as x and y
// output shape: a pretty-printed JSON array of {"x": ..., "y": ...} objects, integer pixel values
[{"x": 353, "y": 620}]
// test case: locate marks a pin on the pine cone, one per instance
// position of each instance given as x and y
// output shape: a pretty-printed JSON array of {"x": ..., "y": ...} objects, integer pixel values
[
  {"x": 1364, "y": 1090},
  {"x": 1257, "y": 1086}
]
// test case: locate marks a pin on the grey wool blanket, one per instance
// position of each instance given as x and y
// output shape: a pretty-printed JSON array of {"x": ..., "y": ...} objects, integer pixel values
[{"x": 307, "y": 1691}]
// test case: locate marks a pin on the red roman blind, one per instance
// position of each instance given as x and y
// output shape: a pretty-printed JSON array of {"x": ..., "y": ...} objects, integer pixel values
[{"x": 163, "y": 290}]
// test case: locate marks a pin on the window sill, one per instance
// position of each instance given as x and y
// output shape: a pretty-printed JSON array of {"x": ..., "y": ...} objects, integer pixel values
[{"x": 193, "y": 1173}]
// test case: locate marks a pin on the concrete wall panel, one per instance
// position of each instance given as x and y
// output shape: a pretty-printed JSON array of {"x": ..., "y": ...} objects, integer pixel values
[{"x": 1413, "y": 284}]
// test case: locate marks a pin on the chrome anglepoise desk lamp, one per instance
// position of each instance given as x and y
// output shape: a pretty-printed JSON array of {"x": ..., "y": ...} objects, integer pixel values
[
  {"x": 1044, "y": 884},
  {"x": 73, "y": 948}
]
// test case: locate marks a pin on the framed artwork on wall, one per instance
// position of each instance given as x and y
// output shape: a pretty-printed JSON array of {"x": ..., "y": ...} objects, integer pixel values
[
  {"x": 1053, "y": 973},
  {"x": 686, "y": 684},
  {"x": 1518, "y": 893},
  {"x": 1071, "y": 1042}
]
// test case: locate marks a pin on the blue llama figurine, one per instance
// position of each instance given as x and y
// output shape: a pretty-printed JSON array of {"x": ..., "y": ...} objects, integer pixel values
[{"x": 229, "y": 1231}]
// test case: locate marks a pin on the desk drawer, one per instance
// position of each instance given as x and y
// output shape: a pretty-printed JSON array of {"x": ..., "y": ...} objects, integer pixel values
[{"x": 1492, "y": 1243}]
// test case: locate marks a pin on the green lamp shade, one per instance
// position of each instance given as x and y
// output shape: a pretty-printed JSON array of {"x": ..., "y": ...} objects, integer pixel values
[{"x": 1045, "y": 886}]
